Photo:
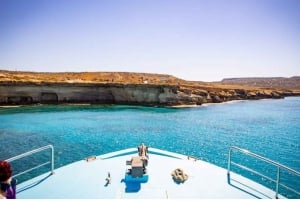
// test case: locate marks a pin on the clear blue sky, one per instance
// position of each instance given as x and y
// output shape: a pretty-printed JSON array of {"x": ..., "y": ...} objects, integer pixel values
[{"x": 204, "y": 40}]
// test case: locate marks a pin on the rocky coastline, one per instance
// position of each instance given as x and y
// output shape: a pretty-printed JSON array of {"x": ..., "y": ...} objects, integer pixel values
[{"x": 160, "y": 93}]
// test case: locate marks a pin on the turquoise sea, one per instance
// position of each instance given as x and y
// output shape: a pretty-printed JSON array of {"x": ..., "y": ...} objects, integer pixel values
[{"x": 270, "y": 128}]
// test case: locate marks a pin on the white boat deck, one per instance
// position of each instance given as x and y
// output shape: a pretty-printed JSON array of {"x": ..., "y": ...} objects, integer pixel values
[{"x": 84, "y": 179}]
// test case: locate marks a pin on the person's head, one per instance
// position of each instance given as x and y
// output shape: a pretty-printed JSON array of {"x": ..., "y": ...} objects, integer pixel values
[{"x": 5, "y": 171}]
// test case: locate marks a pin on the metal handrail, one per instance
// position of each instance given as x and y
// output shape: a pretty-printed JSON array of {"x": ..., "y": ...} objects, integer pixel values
[
  {"x": 33, "y": 152},
  {"x": 276, "y": 164}
]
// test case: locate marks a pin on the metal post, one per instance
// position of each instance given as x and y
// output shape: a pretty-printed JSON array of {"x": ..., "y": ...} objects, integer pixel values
[
  {"x": 277, "y": 182},
  {"x": 229, "y": 162},
  {"x": 52, "y": 159}
]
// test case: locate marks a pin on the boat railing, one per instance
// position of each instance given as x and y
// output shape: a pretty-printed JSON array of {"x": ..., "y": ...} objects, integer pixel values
[
  {"x": 29, "y": 153},
  {"x": 277, "y": 165}
]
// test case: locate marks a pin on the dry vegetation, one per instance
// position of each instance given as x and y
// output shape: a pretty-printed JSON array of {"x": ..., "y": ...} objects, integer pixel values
[
  {"x": 270, "y": 82},
  {"x": 88, "y": 77},
  {"x": 132, "y": 78}
]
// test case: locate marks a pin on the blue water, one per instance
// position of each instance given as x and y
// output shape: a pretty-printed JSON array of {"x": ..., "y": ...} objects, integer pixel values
[{"x": 270, "y": 128}]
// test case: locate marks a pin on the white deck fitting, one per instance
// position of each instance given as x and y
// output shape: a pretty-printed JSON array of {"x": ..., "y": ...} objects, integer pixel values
[{"x": 87, "y": 180}]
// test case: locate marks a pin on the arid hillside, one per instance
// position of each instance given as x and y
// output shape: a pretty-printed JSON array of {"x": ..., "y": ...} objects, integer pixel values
[
  {"x": 292, "y": 83},
  {"x": 89, "y": 77},
  {"x": 268, "y": 82}
]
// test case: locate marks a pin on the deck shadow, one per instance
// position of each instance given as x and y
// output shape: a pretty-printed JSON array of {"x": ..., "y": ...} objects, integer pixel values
[
  {"x": 246, "y": 188},
  {"x": 31, "y": 185}
]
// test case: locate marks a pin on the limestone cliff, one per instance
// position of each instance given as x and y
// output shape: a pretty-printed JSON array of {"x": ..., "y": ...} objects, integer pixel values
[
  {"x": 140, "y": 89},
  {"x": 140, "y": 94},
  {"x": 53, "y": 93}
]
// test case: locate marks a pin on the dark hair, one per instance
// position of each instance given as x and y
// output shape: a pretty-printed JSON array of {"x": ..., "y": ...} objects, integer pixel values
[{"x": 5, "y": 171}]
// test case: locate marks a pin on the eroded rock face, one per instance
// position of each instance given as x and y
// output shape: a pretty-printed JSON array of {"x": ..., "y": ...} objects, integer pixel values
[
  {"x": 50, "y": 98},
  {"x": 139, "y": 94},
  {"x": 90, "y": 93}
]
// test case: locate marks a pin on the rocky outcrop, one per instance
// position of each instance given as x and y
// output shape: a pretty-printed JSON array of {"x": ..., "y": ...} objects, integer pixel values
[
  {"x": 218, "y": 95},
  {"x": 20, "y": 93}
]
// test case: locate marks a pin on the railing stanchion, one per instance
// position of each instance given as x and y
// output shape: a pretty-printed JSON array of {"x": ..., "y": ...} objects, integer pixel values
[
  {"x": 277, "y": 182},
  {"x": 52, "y": 160},
  {"x": 229, "y": 162}
]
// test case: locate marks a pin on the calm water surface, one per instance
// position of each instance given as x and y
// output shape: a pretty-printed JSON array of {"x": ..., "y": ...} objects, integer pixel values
[{"x": 270, "y": 128}]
